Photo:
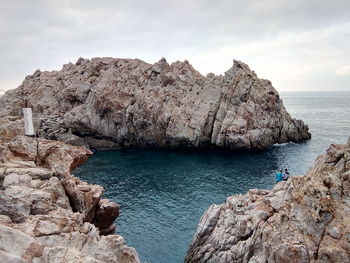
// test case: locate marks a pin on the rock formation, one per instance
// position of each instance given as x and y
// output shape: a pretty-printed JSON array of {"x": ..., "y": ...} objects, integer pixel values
[
  {"x": 47, "y": 214},
  {"x": 306, "y": 219},
  {"x": 107, "y": 102}
]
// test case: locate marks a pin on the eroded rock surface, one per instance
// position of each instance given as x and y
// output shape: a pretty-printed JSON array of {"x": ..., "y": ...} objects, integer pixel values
[
  {"x": 306, "y": 219},
  {"x": 47, "y": 215},
  {"x": 112, "y": 103}
]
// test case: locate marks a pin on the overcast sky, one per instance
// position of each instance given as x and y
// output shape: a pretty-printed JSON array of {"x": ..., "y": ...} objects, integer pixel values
[{"x": 300, "y": 45}]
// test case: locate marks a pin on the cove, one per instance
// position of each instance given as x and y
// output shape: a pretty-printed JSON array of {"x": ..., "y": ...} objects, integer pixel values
[{"x": 163, "y": 193}]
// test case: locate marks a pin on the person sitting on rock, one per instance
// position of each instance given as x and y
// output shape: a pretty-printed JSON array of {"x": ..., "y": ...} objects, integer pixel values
[
  {"x": 285, "y": 175},
  {"x": 279, "y": 176}
]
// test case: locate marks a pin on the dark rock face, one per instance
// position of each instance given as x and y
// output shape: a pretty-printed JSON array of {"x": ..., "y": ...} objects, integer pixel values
[
  {"x": 112, "y": 103},
  {"x": 105, "y": 216},
  {"x": 305, "y": 219}
]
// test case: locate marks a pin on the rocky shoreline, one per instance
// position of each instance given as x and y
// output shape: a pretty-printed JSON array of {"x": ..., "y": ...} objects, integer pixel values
[
  {"x": 119, "y": 103},
  {"x": 305, "y": 219},
  {"x": 47, "y": 214}
]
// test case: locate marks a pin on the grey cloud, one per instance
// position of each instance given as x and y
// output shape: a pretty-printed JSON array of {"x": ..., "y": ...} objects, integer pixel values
[{"x": 45, "y": 34}]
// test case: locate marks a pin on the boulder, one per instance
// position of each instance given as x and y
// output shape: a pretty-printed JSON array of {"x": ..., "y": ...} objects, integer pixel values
[
  {"x": 18, "y": 246},
  {"x": 83, "y": 197},
  {"x": 60, "y": 158},
  {"x": 105, "y": 216}
]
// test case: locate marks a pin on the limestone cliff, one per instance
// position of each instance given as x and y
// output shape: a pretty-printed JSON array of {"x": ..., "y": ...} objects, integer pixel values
[
  {"x": 47, "y": 215},
  {"x": 306, "y": 219},
  {"x": 107, "y": 102}
]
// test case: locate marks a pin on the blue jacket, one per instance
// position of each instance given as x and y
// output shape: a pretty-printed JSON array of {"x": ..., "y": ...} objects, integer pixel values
[{"x": 279, "y": 177}]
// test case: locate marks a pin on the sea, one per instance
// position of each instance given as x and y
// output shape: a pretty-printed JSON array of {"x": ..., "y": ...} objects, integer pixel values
[{"x": 163, "y": 193}]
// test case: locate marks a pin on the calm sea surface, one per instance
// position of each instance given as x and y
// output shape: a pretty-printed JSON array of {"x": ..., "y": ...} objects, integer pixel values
[{"x": 163, "y": 193}]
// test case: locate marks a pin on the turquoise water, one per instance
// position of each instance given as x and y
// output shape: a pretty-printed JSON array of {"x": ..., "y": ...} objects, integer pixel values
[{"x": 163, "y": 193}]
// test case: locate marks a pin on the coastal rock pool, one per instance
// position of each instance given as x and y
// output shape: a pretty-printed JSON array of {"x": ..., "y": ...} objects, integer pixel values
[{"x": 163, "y": 193}]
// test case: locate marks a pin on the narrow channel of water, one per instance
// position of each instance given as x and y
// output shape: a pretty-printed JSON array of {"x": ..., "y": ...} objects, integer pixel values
[{"x": 163, "y": 193}]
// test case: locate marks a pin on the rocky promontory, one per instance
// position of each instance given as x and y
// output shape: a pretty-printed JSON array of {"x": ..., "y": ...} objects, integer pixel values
[
  {"x": 46, "y": 214},
  {"x": 305, "y": 219},
  {"x": 113, "y": 103}
]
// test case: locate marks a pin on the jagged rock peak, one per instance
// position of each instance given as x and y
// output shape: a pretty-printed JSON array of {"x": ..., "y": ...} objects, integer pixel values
[
  {"x": 240, "y": 65},
  {"x": 305, "y": 219},
  {"x": 111, "y": 102}
]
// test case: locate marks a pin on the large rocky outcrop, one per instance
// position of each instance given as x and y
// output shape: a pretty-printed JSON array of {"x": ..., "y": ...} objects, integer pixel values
[
  {"x": 47, "y": 214},
  {"x": 106, "y": 102},
  {"x": 306, "y": 219}
]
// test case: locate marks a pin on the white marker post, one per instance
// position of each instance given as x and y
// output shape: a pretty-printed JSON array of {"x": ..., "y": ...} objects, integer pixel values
[{"x": 28, "y": 122}]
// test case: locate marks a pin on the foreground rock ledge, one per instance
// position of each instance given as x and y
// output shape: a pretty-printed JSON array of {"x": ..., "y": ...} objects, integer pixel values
[
  {"x": 111, "y": 103},
  {"x": 306, "y": 219},
  {"x": 47, "y": 215}
]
